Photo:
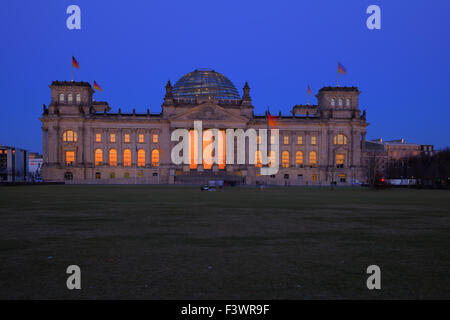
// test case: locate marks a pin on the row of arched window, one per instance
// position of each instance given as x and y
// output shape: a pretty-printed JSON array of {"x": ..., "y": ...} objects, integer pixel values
[
  {"x": 141, "y": 159},
  {"x": 69, "y": 98},
  {"x": 112, "y": 159},
  {"x": 340, "y": 102}
]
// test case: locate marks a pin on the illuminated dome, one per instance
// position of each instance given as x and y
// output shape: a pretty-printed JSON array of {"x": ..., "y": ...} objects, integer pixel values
[{"x": 205, "y": 83}]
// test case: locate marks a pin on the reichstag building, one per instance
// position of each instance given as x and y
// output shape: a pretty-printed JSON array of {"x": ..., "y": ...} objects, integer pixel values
[{"x": 84, "y": 142}]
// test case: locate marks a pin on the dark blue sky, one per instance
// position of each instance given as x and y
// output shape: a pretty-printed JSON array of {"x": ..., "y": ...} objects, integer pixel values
[{"x": 131, "y": 48}]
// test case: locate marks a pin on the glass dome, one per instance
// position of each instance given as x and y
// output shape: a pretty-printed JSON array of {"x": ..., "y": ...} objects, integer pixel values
[{"x": 205, "y": 83}]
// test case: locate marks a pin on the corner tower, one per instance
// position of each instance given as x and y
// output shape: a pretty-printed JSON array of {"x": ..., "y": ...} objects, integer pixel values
[{"x": 339, "y": 102}]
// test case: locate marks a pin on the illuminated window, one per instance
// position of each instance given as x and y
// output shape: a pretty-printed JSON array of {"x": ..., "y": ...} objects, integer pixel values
[
  {"x": 98, "y": 175},
  {"x": 340, "y": 139},
  {"x": 126, "y": 175},
  {"x": 342, "y": 177},
  {"x": 155, "y": 138},
  {"x": 70, "y": 136},
  {"x": 314, "y": 178},
  {"x": 69, "y": 98},
  {"x": 333, "y": 102},
  {"x": 126, "y": 138},
  {"x": 347, "y": 102},
  {"x": 258, "y": 162},
  {"x": 98, "y": 137},
  {"x": 340, "y": 160},
  {"x": 299, "y": 159},
  {"x": 258, "y": 139},
  {"x": 207, "y": 158},
  {"x": 98, "y": 157},
  {"x": 140, "y": 174},
  {"x": 78, "y": 97},
  {"x": 272, "y": 159},
  {"x": 127, "y": 158},
  {"x": 61, "y": 97},
  {"x": 141, "y": 158},
  {"x": 286, "y": 139},
  {"x": 112, "y": 137},
  {"x": 193, "y": 149},
  {"x": 299, "y": 140},
  {"x": 113, "y": 157},
  {"x": 272, "y": 139},
  {"x": 155, "y": 157},
  {"x": 313, "y": 140},
  {"x": 341, "y": 103},
  {"x": 223, "y": 147},
  {"x": 141, "y": 138},
  {"x": 70, "y": 157},
  {"x": 313, "y": 159},
  {"x": 285, "y": 159}
]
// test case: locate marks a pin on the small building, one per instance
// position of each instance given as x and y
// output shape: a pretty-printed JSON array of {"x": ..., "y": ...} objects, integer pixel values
[
  {"x": 427, "y": 149},
  {"x": 400, "y": 149},
  {"x": 393, "y": 158},
  {"x": 13, "y": 164},
  {"x": 35, "y": 161}
]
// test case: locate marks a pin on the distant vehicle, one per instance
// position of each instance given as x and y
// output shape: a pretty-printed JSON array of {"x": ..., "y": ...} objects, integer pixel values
[
  {"x": 356, "y": 182},
  {"x": 212, "y": 185},
  {"x": 38, "y": 179}
]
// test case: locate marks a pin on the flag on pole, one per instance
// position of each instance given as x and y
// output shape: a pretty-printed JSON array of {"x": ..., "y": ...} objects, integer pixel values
[
  {"x": 341, "y": 69},
  {"x": 75, "y": 63},
  {"x": 97, "y": 87},
  {"x": 309, "y": 91},
  {"x": 271, "y": 120}
]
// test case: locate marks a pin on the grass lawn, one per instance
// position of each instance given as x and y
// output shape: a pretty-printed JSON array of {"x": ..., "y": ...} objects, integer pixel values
[{"x": 148, "y": 242}]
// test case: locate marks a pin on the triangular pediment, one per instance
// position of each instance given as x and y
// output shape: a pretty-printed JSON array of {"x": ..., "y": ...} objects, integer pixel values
[{"x": 209, "y": 112}]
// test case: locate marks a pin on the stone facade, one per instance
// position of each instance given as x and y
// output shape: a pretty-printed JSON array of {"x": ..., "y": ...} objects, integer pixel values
[{"x": 76, "y": 128}]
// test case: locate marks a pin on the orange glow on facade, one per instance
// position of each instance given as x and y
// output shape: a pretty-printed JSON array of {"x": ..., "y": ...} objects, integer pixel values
[
  {"x": 113, "y": 157},
  {"x": 207, "y": 159},
  {"x": 70, "y": 157},
  {"x": 98, "y": 157},
  {"x": 155, "y": 157},
  {"x": 141, "y": 158},
  {"x": 127, "y": 158}
]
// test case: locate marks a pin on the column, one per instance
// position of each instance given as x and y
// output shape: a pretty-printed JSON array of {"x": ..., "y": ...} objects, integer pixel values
[
  {"x": 119, "y": 142},
  {"x": 80, "y": 144},
  {"x": 44, "y": 145},
  {"x": 57, "y": 144}
]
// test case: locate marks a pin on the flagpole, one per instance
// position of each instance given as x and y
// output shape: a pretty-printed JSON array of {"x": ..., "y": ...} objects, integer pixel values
[
  {"x": 72, "y": 72},
  {"x": 269, "y": 138},
  {"x": 135, "y": 164}
]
